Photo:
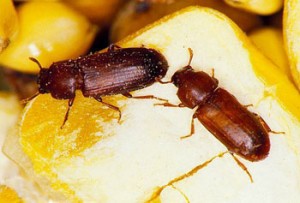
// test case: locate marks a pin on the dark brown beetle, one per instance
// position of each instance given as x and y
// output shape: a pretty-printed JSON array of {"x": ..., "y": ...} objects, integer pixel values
[
  {"x": 117, "y": 71},
  {"x": 241, "y": 131}
]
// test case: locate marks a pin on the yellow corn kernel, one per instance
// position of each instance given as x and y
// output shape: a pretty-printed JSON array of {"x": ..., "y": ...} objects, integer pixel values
[
  {"x": 93, "y": 158},
  {"x": 261, "y": 7},
  {"x": 8, "y": 22},
  {"x": 269, "y": 40},
  {"x": 48, "y": 31},
  {"x": 98, "y": 11},
  {"x": 291, "y": 30},
  {"x": 8, "y": 195}
]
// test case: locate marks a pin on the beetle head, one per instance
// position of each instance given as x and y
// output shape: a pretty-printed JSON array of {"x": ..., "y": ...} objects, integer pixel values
[
  {"x": 181, "y": 75},
  {"x": 60, "y": 80},
  {"x": 42, "y": 81}
]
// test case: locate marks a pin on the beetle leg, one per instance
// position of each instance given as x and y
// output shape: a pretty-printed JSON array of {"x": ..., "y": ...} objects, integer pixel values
[
  {"x": 192, "y": 132},
  {"x": 70, "y": 103},
  {"x": 248, "y": 105},
  {"x": 24, "y": 101},
  {"x": 242, "y": 166},
  {"x": 181, "y": 105},
  {"x": 167, "y": 104},
  {"x": 128, "y": 95},
  {"x": 113, "y": 47},
  {"x": 265, "y": 125},
  {"x": 162, "y": 82},
  {"x": 99, "y": 99}
]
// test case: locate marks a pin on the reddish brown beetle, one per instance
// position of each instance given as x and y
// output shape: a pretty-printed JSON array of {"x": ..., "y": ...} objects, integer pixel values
[
  {"x": 117, "y": 71},
  {"x": 241, "y": 131}
]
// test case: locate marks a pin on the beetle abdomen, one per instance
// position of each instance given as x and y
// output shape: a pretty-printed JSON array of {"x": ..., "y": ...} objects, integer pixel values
[
  {"x": 121, "y": 71},
  {"x": 236, "y": 127}
]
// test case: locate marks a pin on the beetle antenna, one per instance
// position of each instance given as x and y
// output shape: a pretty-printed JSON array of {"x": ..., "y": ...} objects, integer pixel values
[
  {"x": 191, "y": 56},
  {"x": 26, "y": 100},
  {"x": 36, "y": 61},
  {"x": 157, "y": 79}
]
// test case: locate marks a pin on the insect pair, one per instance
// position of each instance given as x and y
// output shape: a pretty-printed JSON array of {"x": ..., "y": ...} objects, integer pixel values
[{"x": 122, "y": 70}]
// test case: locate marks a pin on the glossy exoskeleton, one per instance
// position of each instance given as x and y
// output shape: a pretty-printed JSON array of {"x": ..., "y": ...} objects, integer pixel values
[
  {"x": 241, "y": 131},
  {"x": 117, "y": 71}
]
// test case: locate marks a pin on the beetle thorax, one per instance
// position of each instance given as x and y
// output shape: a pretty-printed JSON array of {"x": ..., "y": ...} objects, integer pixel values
[
  {"x": 193, "y": 87},
  {"x": 61, "y": 80}
]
